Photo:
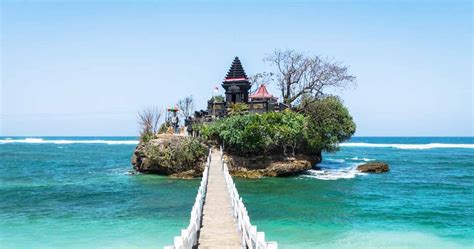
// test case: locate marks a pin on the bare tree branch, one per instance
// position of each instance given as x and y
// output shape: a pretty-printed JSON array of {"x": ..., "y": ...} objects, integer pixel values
[
  {"x": 149, "y": 119},
  {"x": 186, "y": 106},
  {"x": 298, "y": 74},
  {"x": 261, "y": 78}
]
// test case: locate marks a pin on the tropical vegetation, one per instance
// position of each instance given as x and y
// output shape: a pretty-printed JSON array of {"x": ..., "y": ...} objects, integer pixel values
[
  {"x": 177, "y": 153},
  {"x": 217, "y": 98},
  {"x": 319, "y": 125},
  {"x": 238, "y": 109}
]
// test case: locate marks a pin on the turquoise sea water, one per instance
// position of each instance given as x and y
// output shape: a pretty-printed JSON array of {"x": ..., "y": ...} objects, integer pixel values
[{"x": 76, "y": 192}]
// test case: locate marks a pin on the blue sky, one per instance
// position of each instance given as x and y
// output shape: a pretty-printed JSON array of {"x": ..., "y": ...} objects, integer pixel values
[{"x": 87, "y": 67}]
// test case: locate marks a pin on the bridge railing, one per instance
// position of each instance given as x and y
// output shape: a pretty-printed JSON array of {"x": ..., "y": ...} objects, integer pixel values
[
  {"x": 251, "y": 238},
  {"x": 189, "y": 236}
]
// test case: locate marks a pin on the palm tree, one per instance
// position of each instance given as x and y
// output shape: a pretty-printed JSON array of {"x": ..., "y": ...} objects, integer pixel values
[{"x": 238, "y": 109}]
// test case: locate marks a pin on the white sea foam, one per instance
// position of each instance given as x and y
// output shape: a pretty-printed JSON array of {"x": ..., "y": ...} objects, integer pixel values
[
  {"x": 333, "y": 169},
  {"x": 63, "y": 141},
  {"x": 362, "y": 159},
  {"x": 336, "y": 160},
  {"x": 368, "y": 238},
  {"x": 334, "y": 173},
  {"x": 411, "y": 146},
  {"x": 337, "y": 168}
]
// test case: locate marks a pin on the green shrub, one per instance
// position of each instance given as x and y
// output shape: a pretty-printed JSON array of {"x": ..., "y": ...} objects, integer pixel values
[
  {"x": 320, "y": 125},
  {"x": 329, "y": 123},
  {"x": 182, "y": 153},
  {"x": 189, "y": 151},
  {"x": 146, "y": 135},
  {"x": 255, "y": 134},
  {"x": 164, "y": 127}
]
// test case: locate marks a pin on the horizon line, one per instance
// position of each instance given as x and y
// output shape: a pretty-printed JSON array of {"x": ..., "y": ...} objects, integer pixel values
[{"x": 371, "y": 136}]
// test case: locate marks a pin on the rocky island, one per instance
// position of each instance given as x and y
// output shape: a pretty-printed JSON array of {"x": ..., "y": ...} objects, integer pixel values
[
  {"x": 260, "y": 135},
  {"x": 184, "y": 157},
  {"x": 173, "y": 155}
]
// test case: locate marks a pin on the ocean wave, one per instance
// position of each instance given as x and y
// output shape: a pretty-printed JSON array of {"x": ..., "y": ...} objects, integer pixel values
[
  {"x": 361, "y": 159},
  {"x": 335, "y": 160},
  {"x": 334, "y": 174},
  {"x": 411, "y": 146},
  {"x": 394, "y": 239},
  {"x": 334, "y": 169},
  {"x": 63, "y": 141},
  {"x": 337, "y": 168}
]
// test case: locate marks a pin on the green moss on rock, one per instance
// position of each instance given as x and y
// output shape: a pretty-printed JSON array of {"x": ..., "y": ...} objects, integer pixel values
[{"x": 170, "y": 154}]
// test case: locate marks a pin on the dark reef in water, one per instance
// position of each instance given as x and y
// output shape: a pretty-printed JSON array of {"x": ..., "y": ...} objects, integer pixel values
[{"x": 373, "y": 167}]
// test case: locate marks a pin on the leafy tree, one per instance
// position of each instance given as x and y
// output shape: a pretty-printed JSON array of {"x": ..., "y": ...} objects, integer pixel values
[
  {"x": 329, "y": 123},
  {"x": 290, "y": 131},
  {"x": 320, "y": 125},
  {"x": 255, "y": 134},
  {"x": 218, "y": 98}
]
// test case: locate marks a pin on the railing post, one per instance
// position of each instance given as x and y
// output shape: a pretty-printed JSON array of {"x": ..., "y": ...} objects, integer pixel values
[
  {"x": 243, "y": 239},
  {"x": 261, "y": 239},
  {"x": 251, "y": 238},
  {"x": 188, "y": 236},
  {"x": 178, "y": 242},
  {"x": 272, "y": 245}
]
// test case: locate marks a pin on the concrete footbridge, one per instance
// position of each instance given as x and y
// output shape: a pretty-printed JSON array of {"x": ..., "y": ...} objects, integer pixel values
[{"x": 219, "y": 218}]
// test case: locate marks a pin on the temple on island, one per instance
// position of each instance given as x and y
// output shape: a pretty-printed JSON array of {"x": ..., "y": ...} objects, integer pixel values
[{"x": 237, "y": 90}]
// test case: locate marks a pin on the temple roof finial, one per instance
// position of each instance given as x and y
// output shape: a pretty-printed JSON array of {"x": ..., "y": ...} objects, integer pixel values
[{"x": 236, "y": 71}]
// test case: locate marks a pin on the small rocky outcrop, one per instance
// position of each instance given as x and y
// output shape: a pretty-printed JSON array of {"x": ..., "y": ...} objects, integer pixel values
[
  {"x": 373, "y": 167},
  {"x": 176, "y": 156},
  {"x": 271, "y": 165}
]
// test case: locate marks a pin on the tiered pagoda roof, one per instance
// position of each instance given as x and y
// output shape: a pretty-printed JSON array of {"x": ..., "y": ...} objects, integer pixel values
[
  {"x": 262, "y": 93},
  {"x": 236, "y": 72}
]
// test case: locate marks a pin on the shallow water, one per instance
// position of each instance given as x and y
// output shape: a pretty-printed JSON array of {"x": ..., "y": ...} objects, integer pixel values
[
  {"x": 82, "y": 196},
  {"x": 425, "y": 201},
  {"x": 78, "y": 193}
]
